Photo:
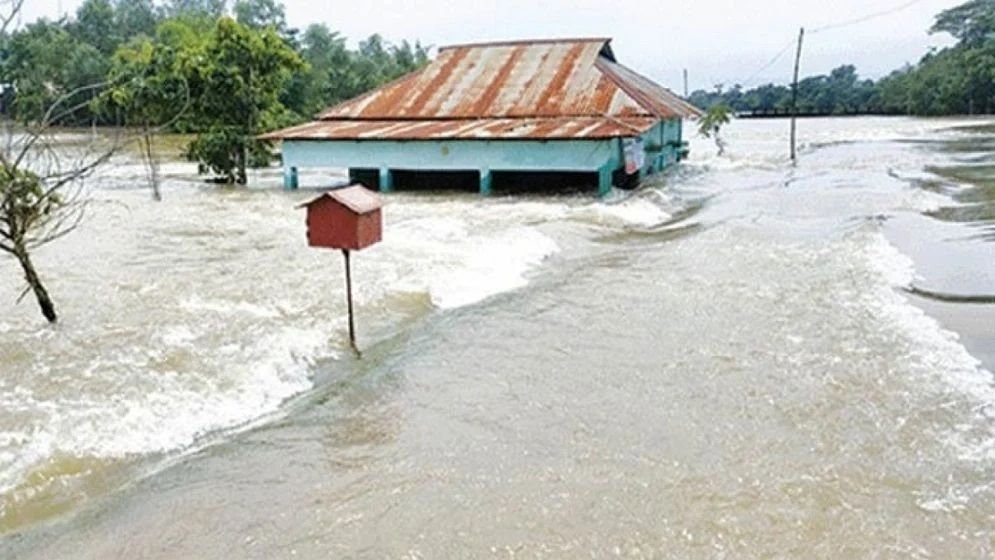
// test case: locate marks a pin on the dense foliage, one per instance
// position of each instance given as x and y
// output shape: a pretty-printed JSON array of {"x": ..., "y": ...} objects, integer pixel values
[
  {"x": 955, "y": 80},
  {"x": 225, "y": 72}
]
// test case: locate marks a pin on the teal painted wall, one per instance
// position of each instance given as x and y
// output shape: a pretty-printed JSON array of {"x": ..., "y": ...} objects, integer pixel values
[
  {"x": 662, "y": 143},
  {"x": 506, "y": 155}
]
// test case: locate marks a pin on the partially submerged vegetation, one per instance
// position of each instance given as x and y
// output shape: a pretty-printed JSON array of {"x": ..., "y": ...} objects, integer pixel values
[
  {"x": 188, "y": 66},
  {"x": 955, "y": 80},
  {"x": 41, "y": 196},
  {"x": 710, "y": 125}
]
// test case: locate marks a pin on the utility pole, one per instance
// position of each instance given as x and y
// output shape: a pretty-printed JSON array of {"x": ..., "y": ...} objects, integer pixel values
[
  {"x": 794, "y": 96},
  {"x": 685, "y": 83}
]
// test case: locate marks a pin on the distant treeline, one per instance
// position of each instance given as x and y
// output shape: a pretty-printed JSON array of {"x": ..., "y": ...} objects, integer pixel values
[
  {"x": 950, "y": 81},
  {"x": 226, "y": 73},
  {"x": 81, "y": 56}
]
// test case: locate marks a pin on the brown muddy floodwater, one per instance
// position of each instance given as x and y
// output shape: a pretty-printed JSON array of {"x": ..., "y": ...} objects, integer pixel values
[{"x": 745, "y": 360}]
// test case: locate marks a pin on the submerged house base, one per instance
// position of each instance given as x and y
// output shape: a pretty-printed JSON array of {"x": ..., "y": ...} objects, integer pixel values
[
  {"x": 387, "y": 165},
  {"x": 500, "y": 116}
]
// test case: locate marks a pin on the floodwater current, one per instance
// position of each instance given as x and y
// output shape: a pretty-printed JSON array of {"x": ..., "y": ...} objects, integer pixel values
[{"x": 744, "y": 359}]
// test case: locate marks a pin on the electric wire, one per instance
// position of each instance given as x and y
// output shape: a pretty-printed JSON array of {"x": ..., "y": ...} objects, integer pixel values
[
  {"x": 868, "y": 17},
  {"x": 772, "y": 62},
  {"x": 828, "y": 27}
]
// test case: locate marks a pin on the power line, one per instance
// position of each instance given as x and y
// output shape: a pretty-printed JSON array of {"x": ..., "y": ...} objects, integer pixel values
[
  {"x": 845, "y": 23},
  {"x": 828, "y": 27},
  {"x": 769, "y": 64},
  {"x": 868, "y": 17}
]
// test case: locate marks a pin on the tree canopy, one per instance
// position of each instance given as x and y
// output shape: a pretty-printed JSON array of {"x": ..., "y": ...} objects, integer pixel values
[
  {"x": 239, "y": 84},
  {"x": 191, "y": 65},
  {"x": 49, "y": 58}
]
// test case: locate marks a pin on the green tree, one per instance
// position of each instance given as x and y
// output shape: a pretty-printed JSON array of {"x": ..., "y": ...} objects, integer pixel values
[
  {"x": 149, "y": 90},
  {"x": 893, "y": 92},
  {"x": 971, "y": 23},
  {"x": 135, "y": 17},
  {"x": 712, "y": 122},
  {"x": 260, "y": 14},
  {"x": 205, "y": 8},
  {"x": 329, "y": 76},
  {"x": 241, "y": 75},
  {"x": 45, "y": 63},
  {"x": 95, "y": 25}
]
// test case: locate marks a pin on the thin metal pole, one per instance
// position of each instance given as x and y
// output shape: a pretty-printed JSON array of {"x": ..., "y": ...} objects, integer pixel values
[
  {"x": 794, "y": 95},
  {"x": 348, "y": 291},
  {"x": 685, "y": 83}
]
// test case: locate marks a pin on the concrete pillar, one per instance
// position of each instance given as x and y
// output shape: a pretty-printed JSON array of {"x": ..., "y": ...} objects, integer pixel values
[
  {"x": 386, "y": 180},
  {"x": 604, "y": 180},
  {"x": 290, "y": 178},
  {"x": 486, "y": 180}
]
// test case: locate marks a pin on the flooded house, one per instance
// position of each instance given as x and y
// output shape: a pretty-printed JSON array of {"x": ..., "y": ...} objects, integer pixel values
[{"x": 506, "y": 115}]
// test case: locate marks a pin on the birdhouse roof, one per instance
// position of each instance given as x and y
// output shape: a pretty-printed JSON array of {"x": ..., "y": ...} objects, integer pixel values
[{"x": 357, "y": 198}]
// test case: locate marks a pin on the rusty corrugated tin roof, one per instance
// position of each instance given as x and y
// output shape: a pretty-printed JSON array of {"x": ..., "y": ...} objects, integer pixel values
[
  {"x": 649, "y": 94},
  {"x": 559, "y": 88},
  {"x": 473, "y": 129}
]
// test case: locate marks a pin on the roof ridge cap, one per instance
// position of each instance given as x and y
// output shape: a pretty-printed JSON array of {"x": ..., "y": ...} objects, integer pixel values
[{"x": 521, "y": 42}]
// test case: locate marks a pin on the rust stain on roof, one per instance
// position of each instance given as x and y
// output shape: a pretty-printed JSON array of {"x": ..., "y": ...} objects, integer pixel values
[
  {"x": 490, "y": 94},
  {"x": 553, "y": 94},
  {"x": 555, "y": 87},
  {"x": 647, "y": 93}
]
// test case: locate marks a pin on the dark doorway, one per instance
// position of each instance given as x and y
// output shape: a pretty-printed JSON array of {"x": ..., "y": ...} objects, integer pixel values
[
  {"x": 437, "y": 180},
  {"x": 544, "y": 182}
]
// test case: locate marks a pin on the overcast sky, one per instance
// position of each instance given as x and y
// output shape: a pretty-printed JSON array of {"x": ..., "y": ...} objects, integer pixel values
[{"x": 718, "y": 41}]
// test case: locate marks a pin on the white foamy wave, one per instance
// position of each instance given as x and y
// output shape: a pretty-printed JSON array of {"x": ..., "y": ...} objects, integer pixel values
[
  {"x": 493, "y": 266},
  {"x": 920, "y": 200},
  {"x": 888, "y": 262},
  {"x": 168, "y": 414},
  {"x": 458, "y": 266},
  {"x": 635, "y": 211},
  {"x": 196, "y": 303},
  {"x": 274, "y": 368},
  {"x": 645, "y": 208},
  {"x": 938, "y": 351},
  {"x": 463, "y": 253},
  {"x": 217, "y": 358}
]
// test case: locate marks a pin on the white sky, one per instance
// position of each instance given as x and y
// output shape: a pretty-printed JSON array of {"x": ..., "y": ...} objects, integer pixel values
[{"x": 719, "y": 41}]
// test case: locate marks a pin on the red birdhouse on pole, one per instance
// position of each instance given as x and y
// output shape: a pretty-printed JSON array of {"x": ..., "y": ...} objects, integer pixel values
[{"x": 348, "y": 219}]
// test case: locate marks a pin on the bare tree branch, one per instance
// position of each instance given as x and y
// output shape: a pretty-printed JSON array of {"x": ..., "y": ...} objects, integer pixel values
[
  {"x": 9, "y": 10},
  {"x": 42, "y": 174},
  {"x": 51, "y": 117}
]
